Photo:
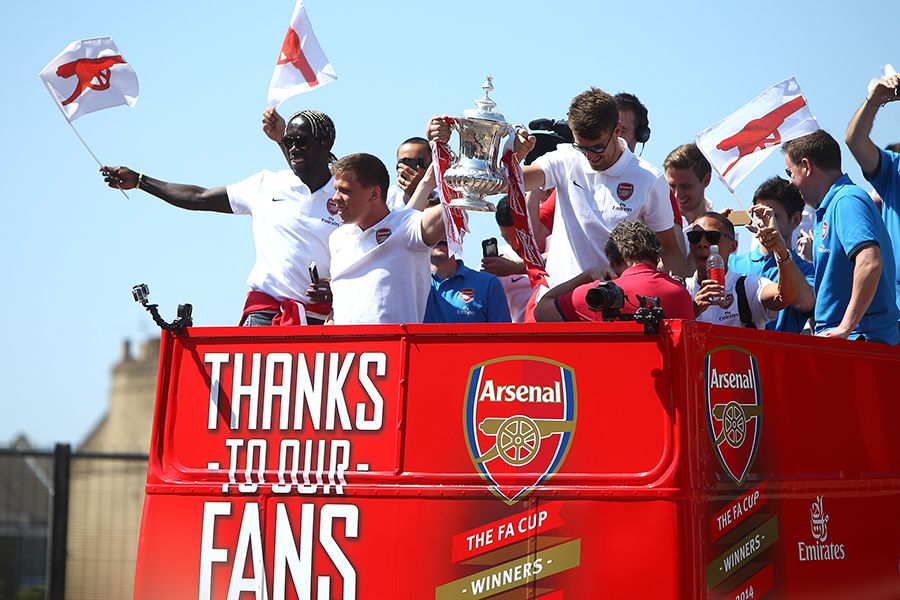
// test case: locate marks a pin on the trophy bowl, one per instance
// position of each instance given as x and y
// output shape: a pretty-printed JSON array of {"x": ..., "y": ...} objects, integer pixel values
[{"x": 477, "y": 171}]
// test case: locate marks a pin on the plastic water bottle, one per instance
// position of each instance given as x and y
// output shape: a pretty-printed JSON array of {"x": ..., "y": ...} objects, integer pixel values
[{"x": 715, "y": 268}]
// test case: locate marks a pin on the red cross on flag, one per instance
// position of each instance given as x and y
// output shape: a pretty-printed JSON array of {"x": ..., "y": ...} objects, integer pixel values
[
  {"x": 740, "y": 142},
  {"x": 301, "y": 64},
  {"x": 90, "y": 75}
]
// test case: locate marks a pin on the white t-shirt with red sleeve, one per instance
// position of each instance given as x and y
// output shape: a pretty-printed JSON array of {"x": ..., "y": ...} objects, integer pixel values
[
  {"x": 381, "y": 274},
  {"x": 291, "y": 226},
  {"x": 591, "y": 203}
]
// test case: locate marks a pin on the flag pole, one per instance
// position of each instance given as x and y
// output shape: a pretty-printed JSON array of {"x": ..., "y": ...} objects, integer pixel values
[{"x": 78, "y": 135}]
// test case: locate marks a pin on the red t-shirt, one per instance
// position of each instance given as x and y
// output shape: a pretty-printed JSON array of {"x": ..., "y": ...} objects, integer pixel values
[
  {"x": 641, "y": 279},
  {"x": 546, "y": 211}
]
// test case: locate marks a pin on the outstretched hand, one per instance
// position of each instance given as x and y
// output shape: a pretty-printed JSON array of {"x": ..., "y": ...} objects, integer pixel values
[
  {"x": 120, "y": 178},
  {"x": 524, "y": 144},
  {"x": 886, "y": 89}
]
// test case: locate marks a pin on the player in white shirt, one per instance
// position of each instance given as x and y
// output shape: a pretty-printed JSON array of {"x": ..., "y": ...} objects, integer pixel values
[
  {"x": 720, "y": 305},
  {"x": 293, "y": 215},
  {"x": 380, "y": 259},
  {"x": 599, "y": 182}
]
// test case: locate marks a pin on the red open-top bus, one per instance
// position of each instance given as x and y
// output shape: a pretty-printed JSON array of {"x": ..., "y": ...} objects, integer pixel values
[{"x": 522, "y": 461}]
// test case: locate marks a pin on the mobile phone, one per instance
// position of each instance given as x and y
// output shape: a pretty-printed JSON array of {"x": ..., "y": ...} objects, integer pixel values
[
  {"x": 313, "y": 273},
  {"x": 489, "y": 247},
  {"x": 413, "y": 163}
]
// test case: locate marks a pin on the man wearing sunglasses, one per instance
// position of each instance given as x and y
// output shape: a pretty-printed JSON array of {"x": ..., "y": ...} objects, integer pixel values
[
  {"x": 413, "y": 157},
  {"x": 292, "y": 211},
  {"x": 745, "y": 300},
  {"x": 599, "y": 183}
]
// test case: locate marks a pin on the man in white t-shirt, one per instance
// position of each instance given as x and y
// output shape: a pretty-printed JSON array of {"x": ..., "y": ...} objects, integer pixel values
[
  {"x": 599, "y": 183},
  {"x": 293, "y": 215},
  {"x": 721, "y": 305},
  {"x": 380, "y": 259}
]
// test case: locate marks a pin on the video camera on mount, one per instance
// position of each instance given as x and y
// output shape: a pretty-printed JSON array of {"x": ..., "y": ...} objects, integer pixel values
[{"x": 609, "y": 298}]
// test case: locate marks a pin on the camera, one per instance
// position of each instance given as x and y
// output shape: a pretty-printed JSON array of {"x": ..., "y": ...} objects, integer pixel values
[
  {"x": 606, "y": 297},
  {"x": 140, "y": 292},
  {"x": 489, "y": 247}
]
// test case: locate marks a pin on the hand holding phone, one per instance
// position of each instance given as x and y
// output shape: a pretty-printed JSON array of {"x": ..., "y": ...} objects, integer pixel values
[
  {"x": 489, "y": 247},
  {"x": 313, "y": 274}
]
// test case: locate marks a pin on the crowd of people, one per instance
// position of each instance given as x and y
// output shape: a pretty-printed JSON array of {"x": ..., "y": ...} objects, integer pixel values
[{"x": 337, "y": 243}]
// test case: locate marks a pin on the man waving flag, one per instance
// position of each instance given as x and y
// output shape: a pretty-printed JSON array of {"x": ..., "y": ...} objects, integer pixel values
[
  {"x": 90, "y": 75},
  {"x": 741, "y": 141},
  {"x": 301, "y": 64}
]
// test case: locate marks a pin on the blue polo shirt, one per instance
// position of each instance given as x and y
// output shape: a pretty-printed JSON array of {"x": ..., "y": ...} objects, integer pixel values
[
  {"x": 886, "y": 181},
  {"x": 756, "y": 263},
  {"x": 846, "y": 221},
  {"x": 467, "y": 296}
]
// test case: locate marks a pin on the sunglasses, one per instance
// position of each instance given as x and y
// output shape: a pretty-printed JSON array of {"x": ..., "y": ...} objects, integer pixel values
[
  {"x": 712, "y": 236},
  {"x": 301, "y": 141},
  {"x": 597, "y": 149}
]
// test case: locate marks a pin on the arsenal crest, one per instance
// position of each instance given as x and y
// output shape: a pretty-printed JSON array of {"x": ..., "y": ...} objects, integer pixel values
[
  {"x": 519, "y": 419},
  {"x": 331, "y": 206},
  {"x": 624, "y": 191},
  {"x": 824, "y": 229},
  {"x": 733, "y": 408},
  {"x": 382, "y": 234},
  {"x": 467, "y": 294}
]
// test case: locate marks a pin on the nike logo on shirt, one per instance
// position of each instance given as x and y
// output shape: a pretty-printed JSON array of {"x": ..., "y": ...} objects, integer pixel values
[
  {"x": 278, "y": 199},
  {"x": 515, "y": 279},
  {"x": 576, "y": 184}
]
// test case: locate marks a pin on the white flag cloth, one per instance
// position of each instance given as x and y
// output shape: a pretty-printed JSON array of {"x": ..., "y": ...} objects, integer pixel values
[
  {"x": 886, "y": 71},
  {"x": 741, "y": 141},
  {"x": 90, "y": 75},
  {"x": 301, "y": 64}
]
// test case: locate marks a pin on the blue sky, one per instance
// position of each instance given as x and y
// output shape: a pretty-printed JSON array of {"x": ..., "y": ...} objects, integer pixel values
[{"x": 72, "y": 248}]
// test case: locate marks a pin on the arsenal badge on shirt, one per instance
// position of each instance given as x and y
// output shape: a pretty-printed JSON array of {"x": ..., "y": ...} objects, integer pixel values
[
  {"x": 624, "y": 191},
  {"x": 467, "y": 294},
  {"x": 382, "y": 234}
]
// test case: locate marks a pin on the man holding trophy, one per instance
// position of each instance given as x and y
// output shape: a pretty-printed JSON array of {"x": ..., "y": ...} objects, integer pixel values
[{"x": 599, "y": 183}]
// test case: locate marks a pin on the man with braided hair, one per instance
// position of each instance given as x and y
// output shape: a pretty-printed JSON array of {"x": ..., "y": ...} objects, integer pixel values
[{"x": 293, "y": 214}]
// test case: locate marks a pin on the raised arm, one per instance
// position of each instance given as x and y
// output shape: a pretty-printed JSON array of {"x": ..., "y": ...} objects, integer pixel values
[
  {"x": 190, "y": 197},
  {"x": 792, "y": 288},
  {"x": 274, "y": 126},
  {"x": 433, "y": 225},
  {"x": 860, "y": 128}
]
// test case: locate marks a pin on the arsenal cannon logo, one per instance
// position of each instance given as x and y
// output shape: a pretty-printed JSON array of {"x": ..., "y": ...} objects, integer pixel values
[
  {"x": 733, "y": 408},
  {"x": 519, "y": 419}
]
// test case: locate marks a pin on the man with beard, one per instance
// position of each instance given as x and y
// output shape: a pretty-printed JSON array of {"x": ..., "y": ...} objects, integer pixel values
[{"x": 293, "y": 215}]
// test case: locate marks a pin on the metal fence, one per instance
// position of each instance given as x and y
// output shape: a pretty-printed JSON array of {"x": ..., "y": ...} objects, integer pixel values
[{"x": 69, "y": 523}]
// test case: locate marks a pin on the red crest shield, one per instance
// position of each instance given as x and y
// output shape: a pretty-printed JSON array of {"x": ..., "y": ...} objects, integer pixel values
[
  {"x": 331, "y": 206},
  {"x": 519, "y": 421},
  {"x": 824, "y": 229},
  {"x": 624, "y": 191},
  {"x": 467, "y": 294},
  {"x": 733, "y": 408},
  {"x": 382, "y": 234}
]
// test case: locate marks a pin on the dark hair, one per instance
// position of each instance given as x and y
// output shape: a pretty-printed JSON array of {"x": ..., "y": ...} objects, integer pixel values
[
  {"x": 632, "y": 240},
  {"x": 504, "y": 214},
  {"x": 626, "y": 101},
  {"x": 415, "y": 140},
  {"x": 368, "y": 170},
  {"x": 321, "y": 127},
  {"x": 729, "y": 226},
  {"x": 593, "y": 113},
  {"x": 781, "y": 191},
  {"x": 893, "y": 147},
  {"x": 819, "y": 148},
  {"x": 688, "y": 156}
]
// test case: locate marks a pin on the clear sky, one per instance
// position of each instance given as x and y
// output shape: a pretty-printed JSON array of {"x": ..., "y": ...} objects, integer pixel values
[{"x": 72, "y": 249}]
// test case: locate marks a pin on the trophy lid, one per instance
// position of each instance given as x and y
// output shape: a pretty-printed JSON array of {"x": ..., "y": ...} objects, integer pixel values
[{"x": 485, "y": 106}]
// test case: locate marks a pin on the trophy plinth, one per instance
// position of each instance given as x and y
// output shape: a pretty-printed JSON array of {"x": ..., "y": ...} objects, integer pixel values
[{"x": 477, "y": 173}]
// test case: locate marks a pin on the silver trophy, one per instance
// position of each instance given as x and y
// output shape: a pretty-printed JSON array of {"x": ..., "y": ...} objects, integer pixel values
[{"x": 476, "y": 172}]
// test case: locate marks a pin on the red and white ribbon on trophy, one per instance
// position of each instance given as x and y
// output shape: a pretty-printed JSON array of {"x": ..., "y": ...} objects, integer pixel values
[
  {"x": 455, "y": 219},
  {"x": 531, "y": 254}
]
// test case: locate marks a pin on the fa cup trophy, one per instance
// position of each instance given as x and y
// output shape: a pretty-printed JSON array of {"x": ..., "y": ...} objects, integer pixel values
[{"x": 476, "y": 172}]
